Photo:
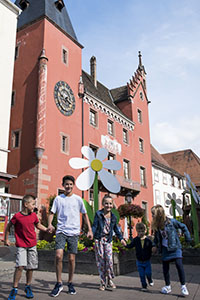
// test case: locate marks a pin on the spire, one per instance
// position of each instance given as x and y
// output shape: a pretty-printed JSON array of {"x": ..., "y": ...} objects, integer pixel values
[
  {"x": 55, "y": 11},
  {"x": 140, "y": 65}
]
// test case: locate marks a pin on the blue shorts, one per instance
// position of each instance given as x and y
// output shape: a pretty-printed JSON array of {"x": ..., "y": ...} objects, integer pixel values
[{"x": 72, "y": 242}]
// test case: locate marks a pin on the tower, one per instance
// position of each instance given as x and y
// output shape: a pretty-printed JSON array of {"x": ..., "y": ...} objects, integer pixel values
[{"x": 46, "y": 76}]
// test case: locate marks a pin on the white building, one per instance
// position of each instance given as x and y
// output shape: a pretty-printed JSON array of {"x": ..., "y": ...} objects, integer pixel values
[
  {"x": 8, "y": 24},
  {"x": 165, "y": 181}
]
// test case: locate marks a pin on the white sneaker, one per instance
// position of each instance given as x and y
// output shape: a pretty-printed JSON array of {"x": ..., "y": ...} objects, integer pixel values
[
  {"x": 151, "y": 283},
  {"x": 166, "y": 289},
  {"x": 184, "y": 290}
]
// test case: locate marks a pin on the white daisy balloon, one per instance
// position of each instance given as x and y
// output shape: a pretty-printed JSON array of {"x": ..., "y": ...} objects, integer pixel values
[{"x": 96, "y": 164}]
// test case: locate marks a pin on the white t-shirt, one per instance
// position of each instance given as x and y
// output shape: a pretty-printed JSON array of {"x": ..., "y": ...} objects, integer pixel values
[{"x": 68, "y": 211}]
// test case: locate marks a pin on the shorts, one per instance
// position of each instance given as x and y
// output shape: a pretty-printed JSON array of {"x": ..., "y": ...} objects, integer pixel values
[
  {"x": 27, "y": 258},
  {"x": 72, "y": 242}
]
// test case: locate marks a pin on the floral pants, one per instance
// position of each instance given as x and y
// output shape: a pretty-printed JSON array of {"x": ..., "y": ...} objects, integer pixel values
[{"x": 103, "y": 253}]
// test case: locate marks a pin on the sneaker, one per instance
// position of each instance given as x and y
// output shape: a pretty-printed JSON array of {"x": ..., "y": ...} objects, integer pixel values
[
  {"x": 184, "y": 290},
  {"x": 28, "y": 291},
  {"x": 144, "y": 289},
  {"x": 13, "y": 294},
  {"x": 102, "y": 287},
  {"x": 57, "y": 289},
  {"x": 151, "y": 283},
  {"x": 71, "y": 289},
  {"x": 166, "y": 289},
  {"x": 111, "y": 284}
]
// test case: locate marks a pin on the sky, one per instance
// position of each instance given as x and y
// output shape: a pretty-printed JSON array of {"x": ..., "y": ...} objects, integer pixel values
[{"x": 167, "y": 32}]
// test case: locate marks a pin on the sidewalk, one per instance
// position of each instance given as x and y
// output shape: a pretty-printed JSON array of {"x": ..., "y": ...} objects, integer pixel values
[{"x": 128, "y": 286}]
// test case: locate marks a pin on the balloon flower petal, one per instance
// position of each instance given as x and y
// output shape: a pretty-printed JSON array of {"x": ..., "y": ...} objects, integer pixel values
[
  {"x": 85, "y": 180},
  {"x": 88, "y": 152},
  {"x": 109, "y": 181},
  {"x": 77, "y": 163},
  {"x": 112, "y": 165},
  {"x": 102, "y": 154}
]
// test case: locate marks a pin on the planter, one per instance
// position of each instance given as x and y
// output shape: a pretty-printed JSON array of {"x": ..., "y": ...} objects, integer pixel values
[
  {"x": 86, "y": 264},
  {"x": 122, "y": 263}
]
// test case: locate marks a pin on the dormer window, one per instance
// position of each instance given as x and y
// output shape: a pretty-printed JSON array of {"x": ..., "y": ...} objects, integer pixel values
[
  {"x": 24, "y": 4},
  {"x": 59, "y": 4}
]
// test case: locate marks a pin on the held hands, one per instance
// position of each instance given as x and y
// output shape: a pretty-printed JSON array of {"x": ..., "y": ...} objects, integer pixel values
[
  {"x": 123, "y": 242},
  {"x": 50, "y": 228},
  {"x": 90, "y": 234},
  {"x": 6, "y": 243}
]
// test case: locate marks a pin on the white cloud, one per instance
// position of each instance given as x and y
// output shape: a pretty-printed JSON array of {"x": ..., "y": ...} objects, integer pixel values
[{"x": 177, "y": 135}]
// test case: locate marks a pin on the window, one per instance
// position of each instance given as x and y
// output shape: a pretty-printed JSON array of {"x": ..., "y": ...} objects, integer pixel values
[
  {"x": 156, "y": 175},
  {"x": 164, "y": 178},
  {"x": 141, "y": 145},
  {"x": 111, "y": 157},
  {"x": 157, "y": 197},
  {"x": 139, "y": 116},
  {"x": 64, "y": 143},
  {"x": 125, "y": 136},
  {"x": 13, "y": 98},
  {"x": 165, "y": 198},
  {"x": 24, "y": 4},
  {"x": 59, "y": 4},
  {"x": 142, "y": 176},
  {"x": 141, "y": 96},
  {"x": 93, "y": 117},
  {"x": 126, "y": 168},
  {"x": 144, "y": 206},
  {"x": 110, "y": 127},
  {"x": 94, "y": 148},
  {"x": 172, "y": 181},
  {"x": 179, "y": 183},
  {"x": 16, "y": 52},
  {"x": 16, "y": 139},
  {"x": 65, "y": 56},
  {"x": 91, "y": 197}
]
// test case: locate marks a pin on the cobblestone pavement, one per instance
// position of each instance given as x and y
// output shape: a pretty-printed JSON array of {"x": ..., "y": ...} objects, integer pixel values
[{"x": 128, "y": 286}]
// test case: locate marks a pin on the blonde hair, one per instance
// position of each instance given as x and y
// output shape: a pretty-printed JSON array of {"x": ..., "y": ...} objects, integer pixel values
[
  {"x": 159, "y": 217},
  {"x": 140, "y": 226},
  {"x": 106, "y": 196},
  {"x": 27, "y": 199}
]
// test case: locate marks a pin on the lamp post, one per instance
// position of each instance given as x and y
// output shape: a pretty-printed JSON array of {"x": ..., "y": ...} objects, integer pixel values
[{"x": 128, "y": 200}]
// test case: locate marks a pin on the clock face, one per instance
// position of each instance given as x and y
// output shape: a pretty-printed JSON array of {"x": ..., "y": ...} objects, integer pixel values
[{"x": 64, "y": 98}]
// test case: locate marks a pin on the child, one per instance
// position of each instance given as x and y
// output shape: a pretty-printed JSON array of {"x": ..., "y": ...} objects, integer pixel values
[
  {"x": 166, "y": 239},
  {"x": 68, "y": 207},
  {"x": 143, "y": 247},
  {"x": 26, "y": 257},
  {"x": 104, "y": 224}
]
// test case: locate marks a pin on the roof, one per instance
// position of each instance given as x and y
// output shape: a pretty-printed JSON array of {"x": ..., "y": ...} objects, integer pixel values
[
  {"x": 120, "y": 93},
  {"x": 101, "y": 92},
  {"x": 40, "y": 8},
  {"x": 185, "y": 161},
  {"x": 158, "y": 160}
]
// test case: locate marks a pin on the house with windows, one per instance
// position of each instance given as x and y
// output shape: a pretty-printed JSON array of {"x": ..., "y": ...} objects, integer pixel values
[
  {"x": 166, "y": 181},
  {"x": 58, "y": 108},
  {"x": 185, "y": 161},
  {"x": 9, "y": 13}
]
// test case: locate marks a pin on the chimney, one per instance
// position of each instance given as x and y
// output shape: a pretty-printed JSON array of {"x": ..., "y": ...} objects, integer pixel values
[{"x": 93, "y": 70}]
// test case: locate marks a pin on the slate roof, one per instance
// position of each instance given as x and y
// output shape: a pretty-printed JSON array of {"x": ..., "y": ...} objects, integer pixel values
[
  {"x": 120, "y": 93},
  {"x": 101, "y": 92},
  {"x": 185, "y": 161},
  {"x": 158, "y": 160},
  {"x": 40, "y": 8}
]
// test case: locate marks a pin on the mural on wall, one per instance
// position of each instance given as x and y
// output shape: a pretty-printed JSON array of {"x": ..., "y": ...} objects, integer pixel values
[
  {"x": 195, "y": 200},
  {"x": 173, "y": 204},
  {"x": 96, "y": 165}
]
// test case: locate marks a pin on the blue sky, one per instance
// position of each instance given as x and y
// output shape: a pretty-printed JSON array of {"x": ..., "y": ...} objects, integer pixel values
[{"x": 167, "y": 32}]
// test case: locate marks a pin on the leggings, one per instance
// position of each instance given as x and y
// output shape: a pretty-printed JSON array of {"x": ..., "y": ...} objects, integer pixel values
[{"x": 179, "y": 266}]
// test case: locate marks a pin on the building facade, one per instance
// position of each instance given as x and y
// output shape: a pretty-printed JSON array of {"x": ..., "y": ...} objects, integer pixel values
[
  {"x": 59, "y": 108},
  {"x": 166, "y": 181},
  {"x": 8, "y": 19}
]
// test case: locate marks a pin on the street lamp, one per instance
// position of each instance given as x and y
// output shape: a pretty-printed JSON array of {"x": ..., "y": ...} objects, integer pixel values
[{"x": 128, "y": 200}]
